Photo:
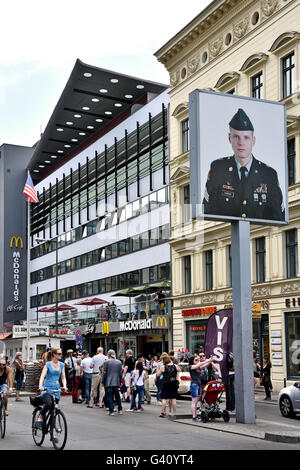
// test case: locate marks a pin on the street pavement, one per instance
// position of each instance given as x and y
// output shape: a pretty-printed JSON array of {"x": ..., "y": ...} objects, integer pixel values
[{"x": 92, "y": 429}]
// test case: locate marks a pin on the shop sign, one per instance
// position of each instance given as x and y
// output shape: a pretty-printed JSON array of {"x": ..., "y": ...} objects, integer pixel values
[
  {"x": 197, "y": 328},
  {"x": 16, "y": 266},
  {"x": 160, "y": 321},
  {"x": 256, "y": 310},
  {"x": 294, "y": 302},
  {"x": 190, "y": 312},
  {"x": 136, "y": 325},
  {"x": 20, "y": 331}
]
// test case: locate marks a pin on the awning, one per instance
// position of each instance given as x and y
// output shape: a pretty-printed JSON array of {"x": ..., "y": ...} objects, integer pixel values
[
  {"x": 93, "y": 101},
  {"x": 5, "y": 335}
]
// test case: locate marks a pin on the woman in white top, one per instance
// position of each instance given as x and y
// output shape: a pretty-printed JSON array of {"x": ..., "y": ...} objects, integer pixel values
[{"x": 137, "y": 380}]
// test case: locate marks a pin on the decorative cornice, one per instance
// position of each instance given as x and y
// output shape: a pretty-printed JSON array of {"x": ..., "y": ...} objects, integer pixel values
[
  {"x": 227, "y": 78},
  {"x": 253, "y": 61},
  {"x": 182, "y": 171},
  {"x": 284, "y": 40},
  {"x": 197, "y": 27},
  {"x": 180, "y": 109}
]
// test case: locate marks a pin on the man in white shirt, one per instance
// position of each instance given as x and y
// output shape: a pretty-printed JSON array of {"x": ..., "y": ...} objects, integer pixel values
[
  {"x": 87, "y": 375},
  {"x": 97, "y": 362},
  {"x": 70, "y": 363}
]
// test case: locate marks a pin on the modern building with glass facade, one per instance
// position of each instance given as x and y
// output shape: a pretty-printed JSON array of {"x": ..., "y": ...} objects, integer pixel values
[
  {"x": 102, "y": 222},
  {"x": 250, "y": 49}
]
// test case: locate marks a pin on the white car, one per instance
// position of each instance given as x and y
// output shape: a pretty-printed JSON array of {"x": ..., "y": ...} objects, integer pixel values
[
  {"x": 289, "y": 400},
  {"x": 184, "y": 380}
]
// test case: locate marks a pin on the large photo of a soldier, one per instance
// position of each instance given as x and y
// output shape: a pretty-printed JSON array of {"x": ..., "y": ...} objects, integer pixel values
[{"x": 248, "y": 181}]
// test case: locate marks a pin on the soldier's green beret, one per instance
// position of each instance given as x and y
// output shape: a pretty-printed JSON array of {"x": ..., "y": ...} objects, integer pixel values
[{"x": 241, "y": 122}]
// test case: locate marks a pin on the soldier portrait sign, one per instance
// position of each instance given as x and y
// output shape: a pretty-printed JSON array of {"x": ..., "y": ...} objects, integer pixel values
[{"x": 238, "y": 158}]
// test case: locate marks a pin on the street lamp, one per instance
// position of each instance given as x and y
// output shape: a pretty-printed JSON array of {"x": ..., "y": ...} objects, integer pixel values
[{"x": 43, "y": 240}]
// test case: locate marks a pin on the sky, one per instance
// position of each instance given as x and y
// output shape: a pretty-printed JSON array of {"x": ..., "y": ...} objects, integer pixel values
[{"x": 41, "y": 41}]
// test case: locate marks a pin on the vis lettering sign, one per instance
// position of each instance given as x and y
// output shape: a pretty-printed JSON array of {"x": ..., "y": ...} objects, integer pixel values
[{"x": 16, "y": 240}]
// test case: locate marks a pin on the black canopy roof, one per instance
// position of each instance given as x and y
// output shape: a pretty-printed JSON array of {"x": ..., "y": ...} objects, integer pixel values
[{"x": 93, "y": 101}]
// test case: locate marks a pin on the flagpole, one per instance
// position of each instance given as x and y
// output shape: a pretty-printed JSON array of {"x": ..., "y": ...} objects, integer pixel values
[{"x": 28, "y": 276}]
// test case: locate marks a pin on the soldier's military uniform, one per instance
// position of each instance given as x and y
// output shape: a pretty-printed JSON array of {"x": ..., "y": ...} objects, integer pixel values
[{"x": 257, "y": 197}]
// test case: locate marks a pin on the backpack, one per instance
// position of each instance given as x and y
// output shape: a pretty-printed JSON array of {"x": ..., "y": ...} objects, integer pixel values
[{"x": 230, "y": 362}]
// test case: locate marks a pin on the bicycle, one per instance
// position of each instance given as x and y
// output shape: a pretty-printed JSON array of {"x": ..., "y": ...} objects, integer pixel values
[
  {"x": 2, "y": 416},
  {"x": 54, "y": 422}
]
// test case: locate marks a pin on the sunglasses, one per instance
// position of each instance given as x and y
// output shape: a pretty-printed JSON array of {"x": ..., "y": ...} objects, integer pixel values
[
  {"x": 58, "y": 354},
  {"x": 2, "y": 364}
]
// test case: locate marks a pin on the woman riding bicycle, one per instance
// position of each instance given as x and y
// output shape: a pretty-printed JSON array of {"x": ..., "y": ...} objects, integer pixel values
[{"x": 49, "y": 380}]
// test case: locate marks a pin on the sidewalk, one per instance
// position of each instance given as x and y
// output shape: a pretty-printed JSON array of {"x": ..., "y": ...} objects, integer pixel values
[{"x": 288, "y": 432}]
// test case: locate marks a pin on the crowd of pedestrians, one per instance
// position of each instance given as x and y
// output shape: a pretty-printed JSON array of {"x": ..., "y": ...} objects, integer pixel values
[{"x": 106, "y": 382}]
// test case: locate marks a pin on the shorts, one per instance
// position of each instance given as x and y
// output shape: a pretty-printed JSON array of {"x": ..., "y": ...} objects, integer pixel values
[
  {"x": 3, "y": 388},
  {"x": 127, "y": 379},
  {"x": 196, "y": 390}
]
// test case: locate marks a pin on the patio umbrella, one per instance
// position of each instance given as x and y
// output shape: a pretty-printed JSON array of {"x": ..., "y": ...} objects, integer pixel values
[
  {"x": 162, "y": 285},
  {"x": 94, "y": 301},
  {"x": 64, "y": 307},
  {"x": 129, "y": 292},
  {"x": 47, "y": 309}
]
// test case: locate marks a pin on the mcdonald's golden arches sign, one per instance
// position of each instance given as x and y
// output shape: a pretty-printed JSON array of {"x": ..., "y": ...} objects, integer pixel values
[{"x": 15, "y": 241}]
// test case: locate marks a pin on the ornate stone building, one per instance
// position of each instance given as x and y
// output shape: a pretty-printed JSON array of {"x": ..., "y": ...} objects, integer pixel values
[{"x": 251, "y": 49}]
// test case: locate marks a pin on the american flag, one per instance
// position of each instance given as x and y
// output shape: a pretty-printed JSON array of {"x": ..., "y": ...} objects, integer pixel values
[{"x": 31, "y": 194}]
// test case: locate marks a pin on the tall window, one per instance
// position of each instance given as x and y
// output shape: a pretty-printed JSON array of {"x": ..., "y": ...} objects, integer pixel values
[
  {"x": 288, "y": 67},
  {"x": 185, "y": 130},
  {"x": 186, "y": 203},
  {"x": 260, "y": 255},
  {"x": 291, "y": 155},
  {"x": 291, "y": 253},
  {"x": 229, "y": 265},
  {"x": 187, "y": 274},
  {"x": 257, "y": 85},
  {"x": 209, "y": 270}
]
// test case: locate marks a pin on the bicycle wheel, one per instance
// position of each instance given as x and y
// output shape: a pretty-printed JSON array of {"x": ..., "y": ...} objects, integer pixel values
[
  {"x": 2, "y": 419},
  {"x": 38, "y": 434},
  {"x": 59, "y": 430}
]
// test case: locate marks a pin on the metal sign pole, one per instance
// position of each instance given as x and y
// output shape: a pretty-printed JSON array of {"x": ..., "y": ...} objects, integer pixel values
[{"x": 242, "y": 322}]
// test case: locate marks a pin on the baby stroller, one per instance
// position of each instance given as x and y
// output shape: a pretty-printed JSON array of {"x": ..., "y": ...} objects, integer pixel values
[{"x": 211, "y": 397}]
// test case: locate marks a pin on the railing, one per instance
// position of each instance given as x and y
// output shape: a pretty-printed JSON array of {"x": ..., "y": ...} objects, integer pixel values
[{"x": 135, "y": 310}]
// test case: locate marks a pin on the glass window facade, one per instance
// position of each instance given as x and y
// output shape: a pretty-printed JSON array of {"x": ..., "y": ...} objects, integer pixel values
[
  {"x": 124, "y": 247},
  {"x": 109, "y": 172},
  {"x": 292, "y": 325},
  {"x": 134, "y": 209},
  {"x": 135, "y": 278}
]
